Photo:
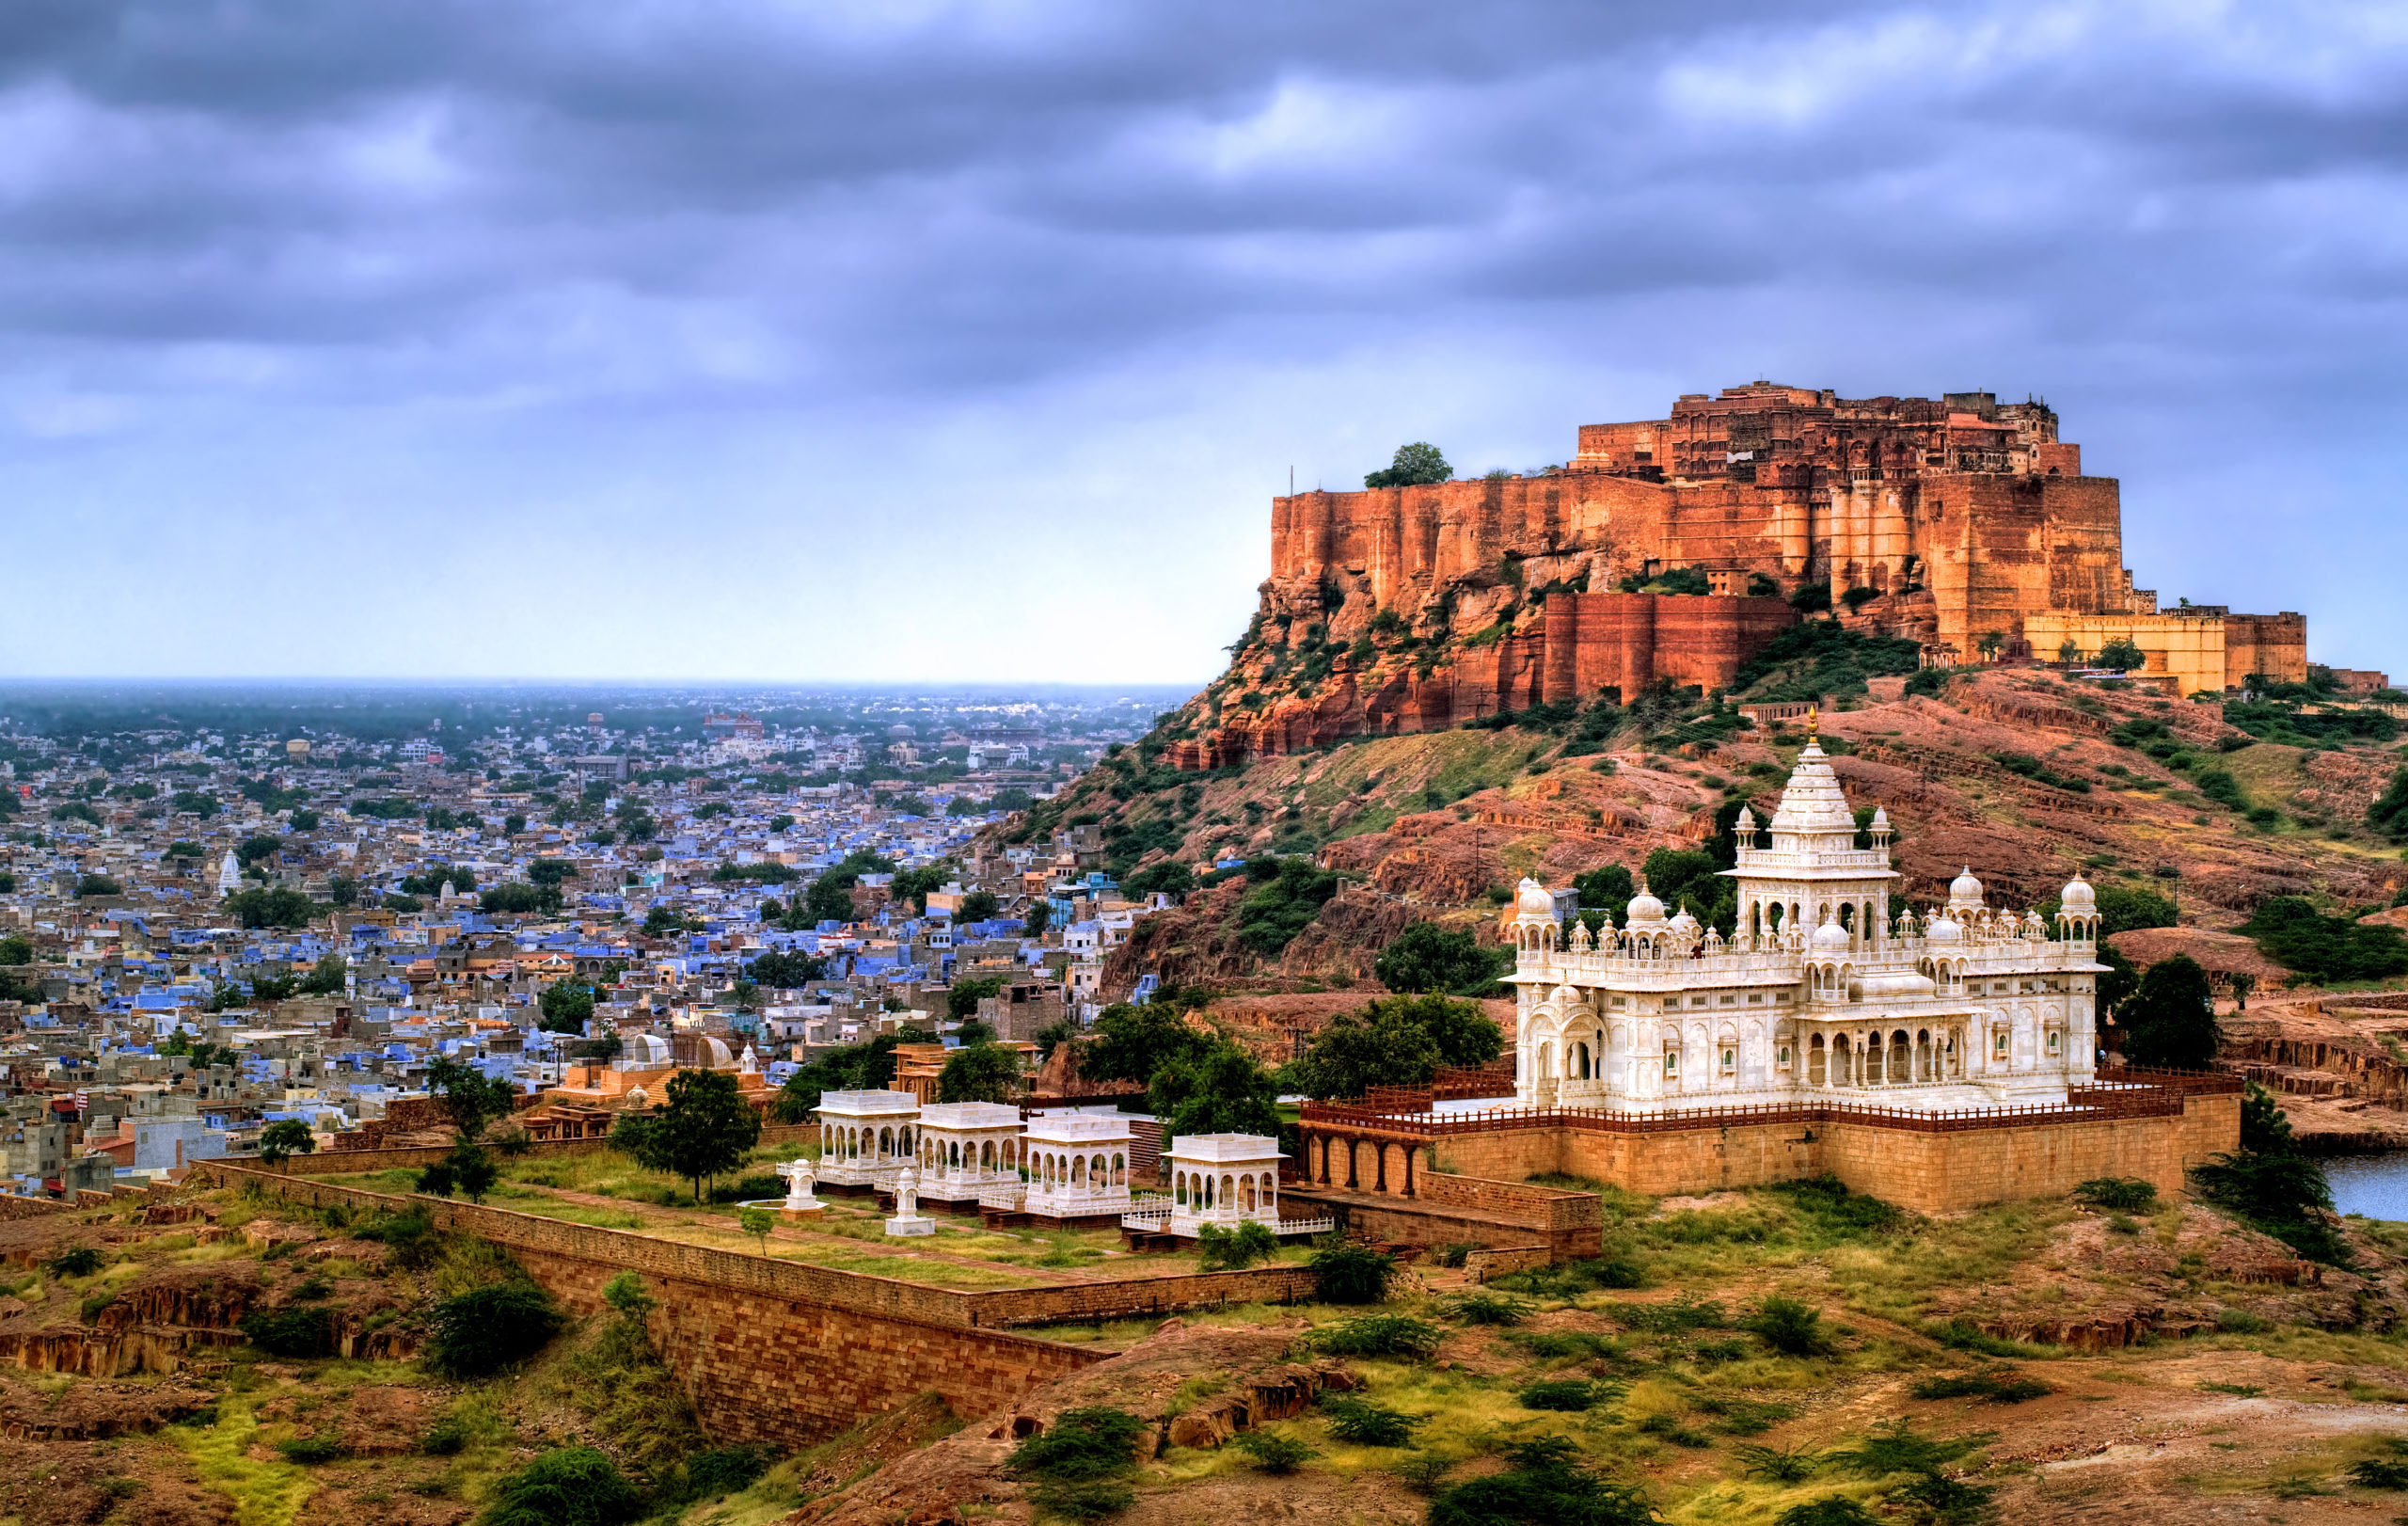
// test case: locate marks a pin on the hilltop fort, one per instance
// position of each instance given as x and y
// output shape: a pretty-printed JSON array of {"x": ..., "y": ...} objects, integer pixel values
[{"x": 1673, "y": 548}]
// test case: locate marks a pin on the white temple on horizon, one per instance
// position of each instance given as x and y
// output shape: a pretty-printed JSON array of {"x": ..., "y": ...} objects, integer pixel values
[{"x": 1820, "y": 994}]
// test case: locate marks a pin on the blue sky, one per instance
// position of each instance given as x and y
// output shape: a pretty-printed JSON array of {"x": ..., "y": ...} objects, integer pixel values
[{"x": 893, "y": 341}]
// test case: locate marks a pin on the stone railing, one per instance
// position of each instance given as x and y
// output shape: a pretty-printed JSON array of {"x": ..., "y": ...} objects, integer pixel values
[
  {"x": 1004, "y": 1196},
  {"x": 1150, "y": 1213}
]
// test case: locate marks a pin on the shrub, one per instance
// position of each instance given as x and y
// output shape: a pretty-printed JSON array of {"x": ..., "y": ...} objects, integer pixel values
[
  {"x": 573, "y": 1486},
  {"x": 311, "y": 1451},
  {"x": 1789, "y": 1326},
  {"x": 2379, "y": 1473},
  {"x": 1488, "y": 1309},
  {"x": 1778, "y": 1465},
  {"x": 1219, "y": 1250},
  {"x": 1093, "y": 1499},
  {"x": 1566, "y": 1279},
  {"x": 1542, "y": 1489},
  {"x": 1350, "y": 1273},
  {"x": 1378, "y": 1335},
  {"x": 1826, "y": 1201},
  {"x": 1558, "y": 1344},
  {"x": 1423, "y": 1471},
  {"x": 1096, "y": 1442},
  {"x": 83, "y": 1261},
  {"x": 1945, "y": 1501},
  {"x": 2292, "y": 932},
  {"x": 291, "y": 1332},
  {"x": 2242, "y": 1322},
  {"x": 1684, "y": 1313},
  {"x": 2004, "y": 1387},
  {"x": 1897, "y": 1449},
  {"x": 1367, "y": 1423},
  {"x": 410, "y": 1239},
  {"x": 722, "y": 1471},
  {"x": 1745, "y": 1417},
  {"x": 489, "y": 1328},
  {"x": 1274, "y": 1453},
  {"x": 2118, "y": 1194},
  {"x": 1567, "y": 1394},
  {"x": 445, "y": 1438}
]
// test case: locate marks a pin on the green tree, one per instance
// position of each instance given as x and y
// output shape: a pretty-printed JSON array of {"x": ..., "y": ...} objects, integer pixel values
[
  {"x": 1989, "y": 644},
  {"x": 97, "y": 885},
  {"x": 550, "y": 871},
  {"x": 757, "y": 1222},
  {"x": 2388, "y": 814},
  {"x": 1223, "y": 1091},
  {"x": 1425, "y": 957},
  {"x": 261, "y": 907},
  {"x": 962, "y": 1001},
  {"x": 704, "y": 1131},
  {"x": 980, "y": 1072},
  {"x": 781, "y": 970},
  {"x": 1039, "y": 914},
  {"x": 2171, "y": 1021},
  {"x": 251, "y": 850},
  {"x": 15, "y": 950},
  {"x": 467, "y": 1171},
  {"x": 1130, "y": 1043},
  {"x": 1412, "y": 466},
  {"x": 566, "y": 1007},
  {"x": 470, "y": 1098},
  {"x": 283, "y": 1139},
  {"x": 1394, "y": 1041},
  {"x": 977, "y": 906},
  {"x": 520, "y": 899},
  {"x": 1169, "y": 877},
  {"x": 326, "y": 977},
  {"x": 2122, "y": 654}
]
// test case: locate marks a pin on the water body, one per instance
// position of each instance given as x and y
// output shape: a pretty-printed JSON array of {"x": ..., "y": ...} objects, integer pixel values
[{"x": 2375, "y": 1185}]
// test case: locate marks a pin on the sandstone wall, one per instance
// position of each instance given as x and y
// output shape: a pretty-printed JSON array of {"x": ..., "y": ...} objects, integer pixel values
[{"x": 1930, "y": 1171}]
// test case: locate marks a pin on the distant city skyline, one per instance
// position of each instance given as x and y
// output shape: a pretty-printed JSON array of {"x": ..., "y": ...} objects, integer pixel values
[{"x": 970, "y": 343}]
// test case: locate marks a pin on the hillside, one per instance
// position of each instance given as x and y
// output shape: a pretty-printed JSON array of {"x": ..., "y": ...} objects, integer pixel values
[{"x": 2020, "y": 775}]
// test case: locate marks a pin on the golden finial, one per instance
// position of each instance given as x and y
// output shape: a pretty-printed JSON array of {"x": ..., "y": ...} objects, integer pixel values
[{"x": 1814, "y": 720}]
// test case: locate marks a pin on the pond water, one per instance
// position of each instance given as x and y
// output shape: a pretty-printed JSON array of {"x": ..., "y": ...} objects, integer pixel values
[{"x": 2375, "y": 1185}]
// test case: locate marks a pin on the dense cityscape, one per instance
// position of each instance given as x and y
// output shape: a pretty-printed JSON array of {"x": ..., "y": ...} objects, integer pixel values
[{"x": 214, "y": 924}]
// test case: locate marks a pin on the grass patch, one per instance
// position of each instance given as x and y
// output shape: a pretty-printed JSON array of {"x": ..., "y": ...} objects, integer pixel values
[{"x": 265, "y": 1493}]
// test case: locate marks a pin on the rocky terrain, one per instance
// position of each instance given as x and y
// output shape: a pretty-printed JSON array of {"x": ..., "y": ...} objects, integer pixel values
[{"x": 2017, "y": 772}]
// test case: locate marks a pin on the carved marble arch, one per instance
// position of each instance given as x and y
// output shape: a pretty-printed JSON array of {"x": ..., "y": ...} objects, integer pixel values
[{"x": 1534, "y": 938}]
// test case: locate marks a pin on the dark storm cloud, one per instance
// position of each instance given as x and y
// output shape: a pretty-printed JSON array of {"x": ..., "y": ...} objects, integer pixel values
[{"x": 250, "y": 220}]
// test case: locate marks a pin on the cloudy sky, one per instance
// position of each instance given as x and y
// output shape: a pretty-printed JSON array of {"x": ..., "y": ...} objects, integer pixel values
[{"x": 887, "y": 338}]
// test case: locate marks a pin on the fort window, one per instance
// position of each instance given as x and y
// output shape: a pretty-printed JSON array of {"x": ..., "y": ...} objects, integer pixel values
[
  {"x": 1731, "y": 1060},
  {"x": 1783, "y": 1061}
]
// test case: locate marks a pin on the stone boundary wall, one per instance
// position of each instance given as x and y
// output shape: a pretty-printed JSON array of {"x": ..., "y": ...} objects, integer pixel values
[
  {"x": 769, "y": 1350},
  {"x": 418, "y": 1157},
  {"x": 1480, "y": 1266},
  {"x": 12, "y": 1206}
]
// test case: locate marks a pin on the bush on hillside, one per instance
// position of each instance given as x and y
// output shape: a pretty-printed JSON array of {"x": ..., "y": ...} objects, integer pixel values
[
  {"x": 2290, "y": 931},
  {"x": 572, "y": 1486},
  {"x": 486, "y": 1328},
  {"x": 1823, "y": 657}
]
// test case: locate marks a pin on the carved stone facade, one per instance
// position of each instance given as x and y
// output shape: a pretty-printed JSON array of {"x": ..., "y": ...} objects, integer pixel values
[{"x": 1822, "y": 992}]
